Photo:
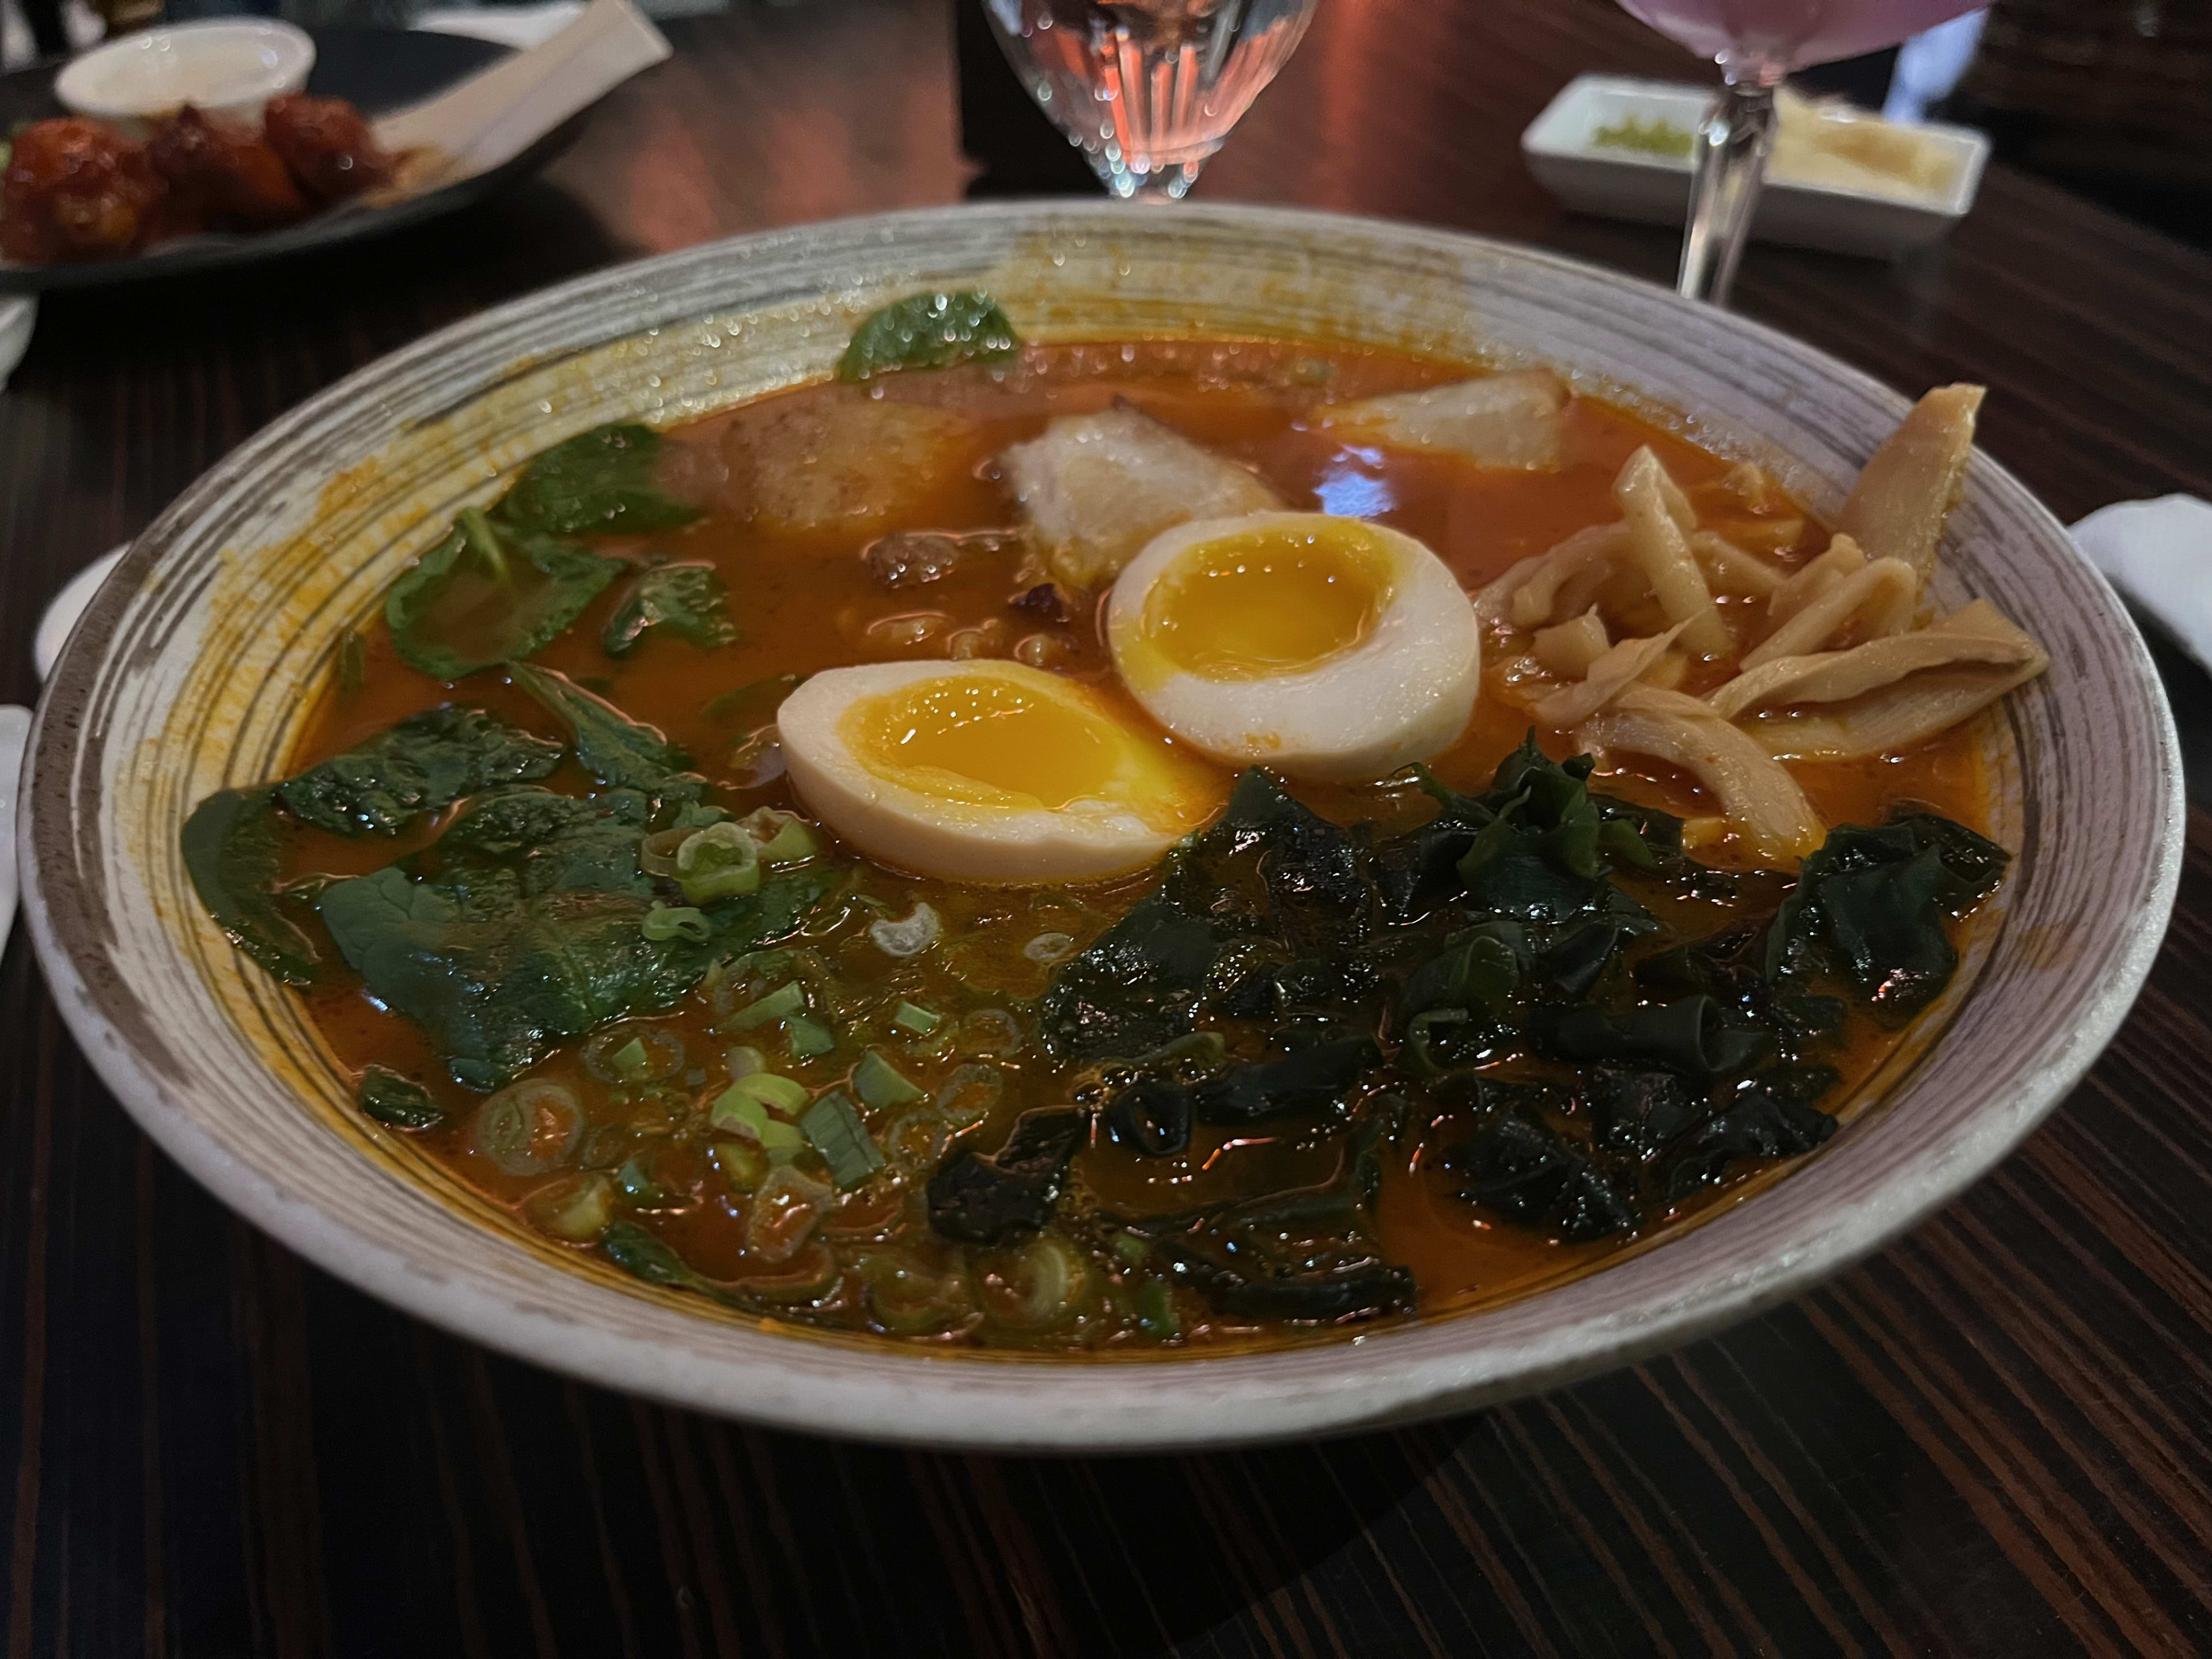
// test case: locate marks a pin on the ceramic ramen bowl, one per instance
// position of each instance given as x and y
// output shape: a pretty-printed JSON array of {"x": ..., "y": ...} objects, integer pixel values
[{"x": 196, "y": 667}]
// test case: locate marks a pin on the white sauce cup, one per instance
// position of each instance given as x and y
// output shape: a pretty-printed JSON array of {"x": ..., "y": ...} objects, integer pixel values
[{"x": 228, "y": 68}]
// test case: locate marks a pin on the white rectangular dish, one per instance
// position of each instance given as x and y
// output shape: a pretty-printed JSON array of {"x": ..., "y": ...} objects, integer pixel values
[{"x": 1562, "y": 150}]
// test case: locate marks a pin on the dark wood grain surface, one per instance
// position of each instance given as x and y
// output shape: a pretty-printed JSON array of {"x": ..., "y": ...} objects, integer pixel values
[{"x": 1995, "y": 1438}]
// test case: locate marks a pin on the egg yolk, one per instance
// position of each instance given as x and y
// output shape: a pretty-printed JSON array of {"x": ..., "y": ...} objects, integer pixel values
[
  {"x": 1270, "y": 601},
  {"x": 1000, "y": 742}
]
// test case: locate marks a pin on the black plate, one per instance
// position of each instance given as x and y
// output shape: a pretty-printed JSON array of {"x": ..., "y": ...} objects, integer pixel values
[{"x": 378, "y": 71}]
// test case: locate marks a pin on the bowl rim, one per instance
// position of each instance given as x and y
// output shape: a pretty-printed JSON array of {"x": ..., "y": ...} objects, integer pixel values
[{"x": 919, "y": 1399}]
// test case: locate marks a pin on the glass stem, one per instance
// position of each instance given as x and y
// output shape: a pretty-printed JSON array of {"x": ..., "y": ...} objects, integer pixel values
[{"x": 1731, "y": 159}]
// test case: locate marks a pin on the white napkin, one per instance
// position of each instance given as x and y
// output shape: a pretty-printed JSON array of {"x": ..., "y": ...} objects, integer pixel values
[
  {"x": 520, "y": 26},
  {"x": 2159, "y": 554},
  {"x": 500, "y": 112},
  {"x": 19, "y": 312}
]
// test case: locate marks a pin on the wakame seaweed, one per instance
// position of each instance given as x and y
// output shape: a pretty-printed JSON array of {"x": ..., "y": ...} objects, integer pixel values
[
  {"x": 1871, "y": 904},
  {"x": 1583, "y": 1071},
  {"x": 987, "y": 1199}
]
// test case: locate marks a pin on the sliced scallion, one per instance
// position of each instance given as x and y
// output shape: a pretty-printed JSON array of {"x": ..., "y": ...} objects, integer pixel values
[
  {"x": 576, "y": 1210},
  {"x": 834, "y": 1125},
  {"x": 668, "y": 922},
  {"x": 809, "y": 1038},
  {"x": 719, "y": 862},
  {"x": 769, "y": 1090},
  {"x": 910, "y": 935},
  {"x": 781, "y": 1003},
  {"x": 778, "y": 1139},
  {"x": 785, "y": 838},
  {"x": 880, "y": 1083},
  {"x": 744, "y": 1163},
  {"x": 1156, "y": 1315},
  {"x": 913, "y": 1017},
  {"x": 636, "y": 1186}
]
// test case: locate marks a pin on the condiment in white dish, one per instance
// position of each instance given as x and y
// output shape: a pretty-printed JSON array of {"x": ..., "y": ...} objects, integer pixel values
[
  {"x": 228, "y": 68},
  {"x": 1845, "y": 184}
]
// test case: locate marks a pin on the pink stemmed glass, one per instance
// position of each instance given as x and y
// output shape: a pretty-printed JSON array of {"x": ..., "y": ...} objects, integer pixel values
[{"x": 1756, "y": 43}]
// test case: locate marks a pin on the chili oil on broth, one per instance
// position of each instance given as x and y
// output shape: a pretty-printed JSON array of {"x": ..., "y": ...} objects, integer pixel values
[{"x": 806, "y": 601}]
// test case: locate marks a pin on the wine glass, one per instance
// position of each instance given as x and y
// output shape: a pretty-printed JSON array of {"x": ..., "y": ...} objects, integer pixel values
[
  {"x": 1149, "y": 88},
  {"x": 1756, "y": 43}
]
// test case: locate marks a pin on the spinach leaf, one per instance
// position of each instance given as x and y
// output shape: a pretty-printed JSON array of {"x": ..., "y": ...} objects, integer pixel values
[
  {"x": 689, "y": 601},
  {"x": 504, "y": 584},
  {"x": 929, "y": 330},
  {"x": 599, "y": 483},
  {"x": 643, "y": 1256},
  {"x": 233, "y": 853},
  {"x": 532, "y": 841},
  {"x": 496, "y": 992},
  {"x": 423, "y": 764},
  {"x": 612, "y": 747},
  {"x": 490, "y": 593},
  {"x": 753, "y": 704},
  {"x": 398, "y": 1101},
  {"x": 530, "y": 930}
]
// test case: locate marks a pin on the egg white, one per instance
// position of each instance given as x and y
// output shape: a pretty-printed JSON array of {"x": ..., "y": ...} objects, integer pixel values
[
  {"x": 1402, "y": 693},
  {"x": 1164, "y": 794}
]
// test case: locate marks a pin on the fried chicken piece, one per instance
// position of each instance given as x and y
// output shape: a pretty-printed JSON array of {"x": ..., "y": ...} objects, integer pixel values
[
  {"x": 325, "y": 144},
  {"x": 76, "y": 190},
  {"x": 225, "y": 177}
]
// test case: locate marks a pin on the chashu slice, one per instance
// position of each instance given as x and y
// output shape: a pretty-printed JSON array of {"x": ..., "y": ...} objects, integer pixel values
[
  {"x": 1515, "y": 420},
  {"x": 1097, "y": 488},
  {"x": 842, "y": 462}
]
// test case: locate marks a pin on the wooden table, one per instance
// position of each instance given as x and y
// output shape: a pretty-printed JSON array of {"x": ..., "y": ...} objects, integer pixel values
[{"x": 1995, "y": 1437}]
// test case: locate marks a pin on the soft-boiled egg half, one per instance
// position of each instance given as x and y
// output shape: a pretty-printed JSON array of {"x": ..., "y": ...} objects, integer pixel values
[
  {"x": 990, "y": 771},
  {"x": 1325, "y": 647}
]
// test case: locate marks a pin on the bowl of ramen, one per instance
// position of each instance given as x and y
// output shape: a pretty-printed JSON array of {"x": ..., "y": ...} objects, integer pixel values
[{"x": 1065, "y": 827}]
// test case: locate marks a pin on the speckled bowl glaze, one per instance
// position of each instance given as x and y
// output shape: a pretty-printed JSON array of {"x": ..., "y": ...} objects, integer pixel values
[{"x": 199, "y": 660}]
